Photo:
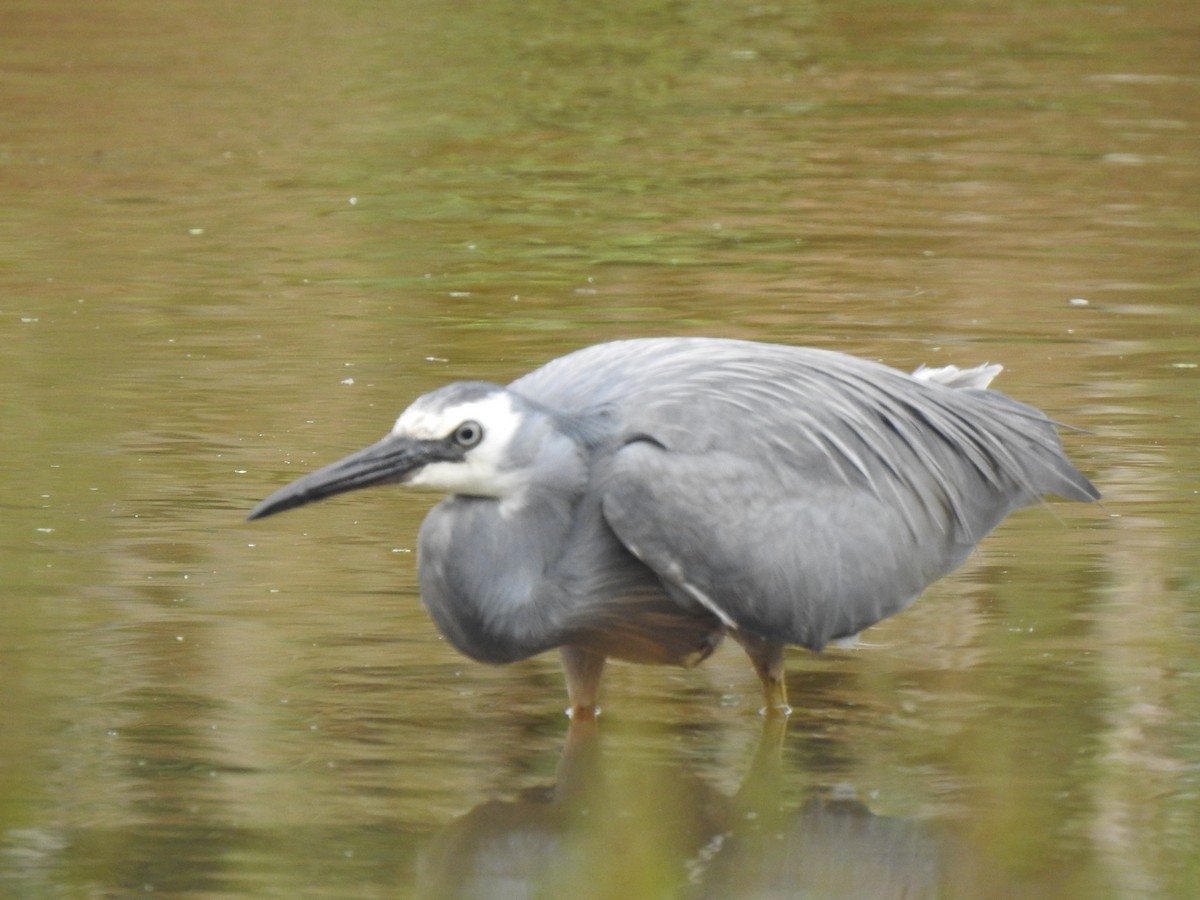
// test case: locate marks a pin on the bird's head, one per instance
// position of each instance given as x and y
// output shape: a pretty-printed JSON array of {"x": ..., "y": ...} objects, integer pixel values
[{"x": 471, "y": 438}]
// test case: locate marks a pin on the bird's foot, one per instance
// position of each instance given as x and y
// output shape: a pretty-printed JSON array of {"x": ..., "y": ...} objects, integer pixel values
[{"x": 583, "y": 713}]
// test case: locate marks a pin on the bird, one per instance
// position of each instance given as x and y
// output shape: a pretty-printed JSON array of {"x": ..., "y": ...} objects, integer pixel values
[{"x": 642, "y": 499}]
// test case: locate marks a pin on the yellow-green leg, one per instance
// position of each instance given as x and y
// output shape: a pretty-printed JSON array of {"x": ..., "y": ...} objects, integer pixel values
[
  {"x": 583, "y": 669},
  {"x": 767, "y": 657}
]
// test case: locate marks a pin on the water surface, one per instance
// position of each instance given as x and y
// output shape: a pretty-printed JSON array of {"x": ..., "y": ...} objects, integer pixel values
[{"x": 239, "y": 238}]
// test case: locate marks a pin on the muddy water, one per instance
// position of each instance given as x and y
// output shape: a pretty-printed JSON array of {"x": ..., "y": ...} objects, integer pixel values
[{"x": 237, "y": 239}]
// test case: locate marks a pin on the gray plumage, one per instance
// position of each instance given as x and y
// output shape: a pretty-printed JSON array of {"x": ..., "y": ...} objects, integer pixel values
[{"x": 640, "y": 499}]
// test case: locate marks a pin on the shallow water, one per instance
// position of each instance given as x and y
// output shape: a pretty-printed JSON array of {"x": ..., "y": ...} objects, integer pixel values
[{"x": 238, "y": 239}]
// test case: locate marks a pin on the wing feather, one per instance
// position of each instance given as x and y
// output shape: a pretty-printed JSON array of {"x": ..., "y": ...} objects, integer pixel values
[{"x": 798, "y": 493}]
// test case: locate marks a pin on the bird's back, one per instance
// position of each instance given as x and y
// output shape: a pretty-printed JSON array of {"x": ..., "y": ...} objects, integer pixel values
[{"x": 851, "y": 417}]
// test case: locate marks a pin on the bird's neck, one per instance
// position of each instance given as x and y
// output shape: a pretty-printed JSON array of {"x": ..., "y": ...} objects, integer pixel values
[{"x": 484, "y": 565}]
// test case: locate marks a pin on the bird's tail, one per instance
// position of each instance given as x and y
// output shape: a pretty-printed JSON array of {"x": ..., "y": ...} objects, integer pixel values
[{"x": 1044, "y": 467}]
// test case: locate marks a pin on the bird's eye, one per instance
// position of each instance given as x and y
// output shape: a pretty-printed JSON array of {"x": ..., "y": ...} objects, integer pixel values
[{"x": 468, "y": 434}]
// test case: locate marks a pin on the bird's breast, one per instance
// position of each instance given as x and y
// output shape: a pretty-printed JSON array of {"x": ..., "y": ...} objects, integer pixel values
[{"x": 503, "y": 586}]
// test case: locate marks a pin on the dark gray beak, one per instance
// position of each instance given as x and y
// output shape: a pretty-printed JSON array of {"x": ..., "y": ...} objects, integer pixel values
[{"x": 389, "y": 461}]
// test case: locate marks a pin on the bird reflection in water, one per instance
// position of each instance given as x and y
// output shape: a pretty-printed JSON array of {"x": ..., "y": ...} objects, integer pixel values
[{"x": 599, "y": 831}]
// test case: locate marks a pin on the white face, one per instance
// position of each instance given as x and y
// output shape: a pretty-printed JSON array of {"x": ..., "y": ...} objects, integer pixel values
[{"x": 479, "y": 473}]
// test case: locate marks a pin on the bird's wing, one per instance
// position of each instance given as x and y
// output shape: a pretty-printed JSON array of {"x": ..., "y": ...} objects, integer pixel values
[
  {"x": 800, "y": 494},
  {"x": 794, "y": 559}
]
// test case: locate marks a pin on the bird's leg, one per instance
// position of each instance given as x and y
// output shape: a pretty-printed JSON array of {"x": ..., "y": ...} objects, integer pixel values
[
  {"x": 583, "y": 669},
  {"x": 767, "y": 657}
]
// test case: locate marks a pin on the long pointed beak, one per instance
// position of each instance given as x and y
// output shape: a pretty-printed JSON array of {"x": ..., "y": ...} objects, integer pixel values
[{"x": 388, "y": 461}]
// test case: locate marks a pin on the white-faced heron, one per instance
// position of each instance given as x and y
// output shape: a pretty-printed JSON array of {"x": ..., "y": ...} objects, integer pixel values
[{"x": 641, "y": 499}]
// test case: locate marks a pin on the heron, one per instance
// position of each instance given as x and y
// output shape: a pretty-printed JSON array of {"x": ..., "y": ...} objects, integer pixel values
[{"x": 641, "y": 499}]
